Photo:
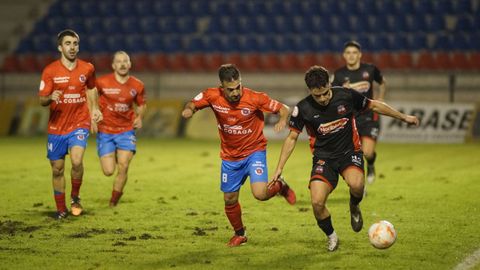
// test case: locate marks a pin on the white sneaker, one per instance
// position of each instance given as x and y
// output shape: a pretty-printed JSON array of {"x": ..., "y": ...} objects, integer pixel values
[{"x": 332, "y": 242}]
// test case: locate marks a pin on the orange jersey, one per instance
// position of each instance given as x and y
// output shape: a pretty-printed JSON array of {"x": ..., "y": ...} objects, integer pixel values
[
  {"x": 240, "y": 124},
  {"x": 116, "y": 103},
  {"x": 71, "y": 111}
]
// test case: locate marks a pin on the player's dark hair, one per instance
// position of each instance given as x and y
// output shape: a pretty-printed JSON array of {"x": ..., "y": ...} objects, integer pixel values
[
  {"x": 352, "y": 43},
  {"x": 65, "y": 33},
  {"x": 228, "y": 73},
  {"x": 316, "y": 77}
]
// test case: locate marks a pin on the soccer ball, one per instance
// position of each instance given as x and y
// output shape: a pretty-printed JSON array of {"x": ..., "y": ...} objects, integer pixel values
[{"x": 382, "y": 234}]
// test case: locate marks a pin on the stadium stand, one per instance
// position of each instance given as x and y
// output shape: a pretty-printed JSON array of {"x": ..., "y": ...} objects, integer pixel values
[{"x": 271, "y": 35}]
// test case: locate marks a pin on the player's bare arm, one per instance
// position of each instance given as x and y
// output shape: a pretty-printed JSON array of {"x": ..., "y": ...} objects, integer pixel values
[
  {"x": 138, "y": 122},
  {"x": 287, "y": 149},
  {"x": 46, "y": 100},
  {"x": 382, "y": 88},
  {"x": 189, "y": 110},
  {"x": 282, "y": 122},
  {"x": 383, "y": 108}
]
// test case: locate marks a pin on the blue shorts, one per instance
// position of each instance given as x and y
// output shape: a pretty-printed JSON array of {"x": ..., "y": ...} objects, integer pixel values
[
  {"x": 59, "y": 145},
  {"x": 234, "y": 173},
  {"x": 109, "y": 143}
]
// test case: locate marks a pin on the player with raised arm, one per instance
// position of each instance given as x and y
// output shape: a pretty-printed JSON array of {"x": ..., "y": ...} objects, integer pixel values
[
  {"x": 239, "y": 112},
  {"x": 68, "y": 88},
  {"x": 360, "y": 77},
  {"x": 328, "y": 115},
  {"x": 116, "y": 141}
]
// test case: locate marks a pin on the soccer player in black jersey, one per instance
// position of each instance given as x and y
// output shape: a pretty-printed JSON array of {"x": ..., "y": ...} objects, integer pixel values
[
  {"x": 360, "y": 77},
  {"x": 328, "y": 115}
]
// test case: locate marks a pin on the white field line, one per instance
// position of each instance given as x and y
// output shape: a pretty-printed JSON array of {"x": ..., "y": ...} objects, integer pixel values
[{"x": 470, "y": 261}]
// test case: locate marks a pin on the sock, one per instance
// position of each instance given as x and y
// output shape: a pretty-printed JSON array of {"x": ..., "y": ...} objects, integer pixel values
[
  {"x": 354, "y": 200},
  {"x": 273, "y": 188},
  {"x": 115, "y": 197},
  {"x": 371, "y": 161},
  {"x": 60, "y": 201},
  {"x": 234, "y": 215},
  {"x": 326, "y": 225},
  {"x": 76, "y": 183}
]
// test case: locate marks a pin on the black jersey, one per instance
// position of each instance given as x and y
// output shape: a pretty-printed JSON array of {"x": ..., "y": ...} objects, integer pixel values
[
  {"x": 332, "y": 129},
  {"x": 360, "y": 79}
]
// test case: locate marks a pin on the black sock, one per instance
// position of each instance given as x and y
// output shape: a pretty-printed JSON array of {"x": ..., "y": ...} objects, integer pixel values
[
  {"x": 371, "y": 161},
  {"x": 326, "y": 225},
  {"x": 354, "y": 200},
  {"x": 240, "y": 232}
]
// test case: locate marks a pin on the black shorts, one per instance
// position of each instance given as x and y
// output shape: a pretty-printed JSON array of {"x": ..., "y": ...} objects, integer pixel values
[
  {"x": 327, "y": 170},
  {"x": 368, "y": 125}
]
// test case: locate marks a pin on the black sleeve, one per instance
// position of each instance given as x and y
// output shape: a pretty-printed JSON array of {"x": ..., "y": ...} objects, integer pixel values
[
  {"x": 360, "y": 102},
  {"x": 377, "y": 75},
  {"x": 296, "y": 119}
]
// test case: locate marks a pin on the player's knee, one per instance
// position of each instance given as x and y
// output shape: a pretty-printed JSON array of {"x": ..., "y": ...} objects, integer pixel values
[
  {"x": 58, "y": 171},
  {"x": 108, "y": 171},
  {"x": 77, "y": 164},
  {"x": 318, "y": 205},
  {"x": 123, "y": 167},
  {"x": 261, "y": 196},
  {"x": 357, "y": 186}
]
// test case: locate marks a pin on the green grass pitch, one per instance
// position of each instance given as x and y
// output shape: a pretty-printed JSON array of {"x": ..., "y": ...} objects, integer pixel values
[{"x": 171, "y": 215}]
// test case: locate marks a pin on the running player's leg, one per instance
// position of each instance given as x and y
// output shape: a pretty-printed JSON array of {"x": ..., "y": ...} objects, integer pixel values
[
  {"x": 77, "y": 143},
  {"x": 125, "y": 143},
  {"x": 323, "y": 181},
  {"x": 106, "y": 152},
  {"x": 232, "y": 177},
  {"x": 368, "y": 148},
  {"x": 57, "y": 148},
  {"x": 258, "y": 172},
  {"x": 123, "y": 158},
  {"x": 352, "y": 172}
]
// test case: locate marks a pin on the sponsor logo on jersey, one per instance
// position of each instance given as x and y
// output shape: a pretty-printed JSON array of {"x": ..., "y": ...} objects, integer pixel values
[
  {"x": 258, "y": 171},
  {"x": 332, "y": 127},
  {"x": 111, "y": 91},
  {"x": 220, "y": 109},
  {"x": 319, "y": 169},
  {"x": 245, "y": 111},
  {"x": 361, "y": 87},
  {"x": 357, "y": 160},
  {"x": 61, "y": 79},
  {"x": 341, "y": 109},
  {"x": 81, "y": 137},
  {"x": 273, "y": 104},
  {"x": 133, "y": 92},
  {"x": 235, "y": 130},
  {"x": 121, "y": 107},
  {"x": 321, "y": 162},
  {"x": 72, "y": 99},
  {"x": 365, "y": 75},
  {"x": 82, "y": 78}
]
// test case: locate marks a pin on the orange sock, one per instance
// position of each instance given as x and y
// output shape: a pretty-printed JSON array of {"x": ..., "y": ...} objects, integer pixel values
[{"x": 234, "y": 215}]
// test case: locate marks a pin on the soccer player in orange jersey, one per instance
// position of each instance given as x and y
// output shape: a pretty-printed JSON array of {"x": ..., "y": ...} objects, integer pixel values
[
  {"x": 239, "y": 112},
  {"x": 116, "y": 141},
  {"x": 68, "y": 88}
]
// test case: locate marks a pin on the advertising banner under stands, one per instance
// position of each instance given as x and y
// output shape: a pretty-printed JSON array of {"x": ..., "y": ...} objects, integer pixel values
[{"x": 440, "y": 123}]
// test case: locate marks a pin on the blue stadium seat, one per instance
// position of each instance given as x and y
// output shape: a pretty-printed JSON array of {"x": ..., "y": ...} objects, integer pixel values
[
  {"x": 423, "y": 7},
  {"x": 386, "y": 7},
  {"x": 55, "y": 9},
  {"x": 153, "y": 42},
  {"x": 249, "y": 44},
  {"x": 168, "y": 25},
  {"x": 25, "y": 46},
  {"x": 195, "y": 45},
  {"x": 97, "y": 44},
  {"x": 340, "y": 24},
  {"x": 111, "y": 26},
  {"x": 56, "y": 24},
  {"x": 246, "y": 25},
  {"x": 89, "y": 8},
  {"x": 292, "y": 8},
  {"x": 265, "y": 24},
  {"x": 149, "y": 25},
  {"x": 107, "y": 8},
  {"x": 77, "y": 24},
  {"x": 43, "y": 43},
  {"x": 442, "y": 42},
  {"x": 213, "y": 43},
  {"x": 229, "y": 25},
  {"x": 367, "y": 7},
  {"x": 181, "y": 8},
  {"x": 276, "y": 8},
  {"x": 187, "y": 25},
  {"x": 398, "y": 23},
  {"x": 258, "y": 8},
  {"x": 237, "y": 8},
  {"x": 399, "y": 42},
  {"x": 93, "y": 25},
  {"x": 379, "y": 23},
  {"x": 284, "y": 25},
  {"x": 380, "y": 43},
  {"x": 200, "y": 8},
  {"x": 435, "y": 23},
  {"x": 130, "y": 25},
  {"x": 231, "y": 43},
  {"x": 219, "y": 8},
  {"x": 463, "y": 7},
  {"x": 125, "y": 8},
  {"x": 214, "y": 25},
  {"x": 461, "y": 42},
  {"x": 143, "y": 8},
  {"x": 115, "y": 42},
  {"x": 331, "y": 7},
  {"x": 309, "y": 43},
  {"x": 364, "y": 41},
  {"x": 464, "y": 23},
  {"x": 162, "y": 8},
  {"x": 418, "y": 41},
  {"x": 416, "y": 23},
  {"x": 359, "y": 24},
  {"x": 404, "y": 7},
  {"x": 135, "y": 44},
  {"x": 40, "y": 26},
  {"x": 70, "y": 8},
  {"x": 172, "y": 43},
  {"x": 442, "y": 7}
]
